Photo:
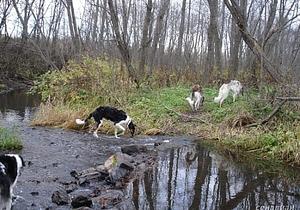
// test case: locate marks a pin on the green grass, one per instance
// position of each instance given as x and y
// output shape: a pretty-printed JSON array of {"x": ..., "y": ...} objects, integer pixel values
[
  {"x": 9, "y": 140},
  {"x": 76, "y": 92},
  {"x": 151, "y": 107}
]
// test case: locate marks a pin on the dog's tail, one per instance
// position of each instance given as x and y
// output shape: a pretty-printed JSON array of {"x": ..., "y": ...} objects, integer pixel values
[
  {"x": 217, "y": 99},
  {"x": 191, "y": 102},
  {"x": 82, "y": 122}
]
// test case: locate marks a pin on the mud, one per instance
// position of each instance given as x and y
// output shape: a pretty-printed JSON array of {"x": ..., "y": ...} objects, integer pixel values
[{"x": 185, "y": 175}]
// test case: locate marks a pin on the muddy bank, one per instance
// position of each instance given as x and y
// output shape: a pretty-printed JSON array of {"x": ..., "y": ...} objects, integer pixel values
[
  {"x": 186, "y": 175},
  {"x": 51, "y": 154}
]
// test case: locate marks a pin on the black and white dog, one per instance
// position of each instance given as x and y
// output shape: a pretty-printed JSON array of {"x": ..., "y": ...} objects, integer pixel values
[
  {"x": 196, "y": 98},
  {"x": 10, "y": 166},
  {"x": 120, "y": 119}
]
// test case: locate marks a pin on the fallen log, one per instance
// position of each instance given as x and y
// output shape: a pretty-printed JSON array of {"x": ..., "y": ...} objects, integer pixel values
[{"x": 271, "y": 115}]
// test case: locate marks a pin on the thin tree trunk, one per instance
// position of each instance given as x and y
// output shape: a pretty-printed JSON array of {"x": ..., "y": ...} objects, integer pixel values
[
  {"x": 181, "y": 30},
  {"x": 121, "y": 43},
  {"x": 145, "y": 38},
  {"x": 157, "y": 33},
  {"x": 272, "y": 69}
]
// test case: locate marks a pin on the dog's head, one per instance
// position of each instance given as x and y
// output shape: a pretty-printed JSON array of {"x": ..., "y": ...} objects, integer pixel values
[
  {"x": 196, "y": 87},
  {"x": 11, "y": 159},
  {"x": 131, "y": 127}
]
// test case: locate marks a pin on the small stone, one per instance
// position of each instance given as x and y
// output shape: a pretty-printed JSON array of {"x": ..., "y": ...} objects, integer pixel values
[
  {"x": 81, "y": 201},
  {"x": 60, "y": 197},
  {"x": 34, "y": 193},
  {"x": 133, "y": 149}
]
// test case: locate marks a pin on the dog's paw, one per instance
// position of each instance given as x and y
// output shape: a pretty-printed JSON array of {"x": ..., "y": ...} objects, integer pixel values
[
  {"x": 117, "y": 137},
  {"x": 95, "y": 135}
]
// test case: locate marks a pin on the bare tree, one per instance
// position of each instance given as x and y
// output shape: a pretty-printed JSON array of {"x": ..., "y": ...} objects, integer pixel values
[
  {"x": 121, "y": 43},
  {"x": 213, "y": 40},
  {"x": 73, "y": 25},
  {"x": 251, "y": 42},
  {"x": 157, "y": 33},
  {"x": 235, "y": 42},
  {"x": 145, "y": 41},
  {"x": 181, "y": 29}
]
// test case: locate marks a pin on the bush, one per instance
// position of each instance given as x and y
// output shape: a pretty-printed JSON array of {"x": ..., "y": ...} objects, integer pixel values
[{"x": 9, "y": 140}]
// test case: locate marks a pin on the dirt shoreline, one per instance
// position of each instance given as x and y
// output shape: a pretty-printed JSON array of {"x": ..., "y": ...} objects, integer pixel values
[{"x": 55, "y": 153}]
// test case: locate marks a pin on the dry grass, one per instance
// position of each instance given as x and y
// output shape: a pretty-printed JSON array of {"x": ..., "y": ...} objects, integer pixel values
[{"x": 72, "y": 96}]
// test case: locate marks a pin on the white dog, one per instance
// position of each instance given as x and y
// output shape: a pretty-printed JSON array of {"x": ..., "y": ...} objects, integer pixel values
[
  {"x": 233, "y": 86},
  {"x": 195, "y": 99}
]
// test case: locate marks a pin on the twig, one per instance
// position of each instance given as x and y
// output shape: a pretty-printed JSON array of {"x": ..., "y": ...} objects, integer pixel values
[
  {"x": 187, "y": 116},
  {"x": 289, "y": 98}
]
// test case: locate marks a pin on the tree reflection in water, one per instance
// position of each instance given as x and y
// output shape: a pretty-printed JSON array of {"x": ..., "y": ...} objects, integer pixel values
[
  {"x": 18, "y": 106},
  {"x": 192, "y": 177}
]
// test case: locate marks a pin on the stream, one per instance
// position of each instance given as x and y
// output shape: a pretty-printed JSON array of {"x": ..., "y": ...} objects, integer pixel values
[{"x": 187, "y": 175}]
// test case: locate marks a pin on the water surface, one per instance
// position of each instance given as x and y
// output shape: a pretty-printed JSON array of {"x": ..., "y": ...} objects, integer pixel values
[{"x": 187, "y": 176}]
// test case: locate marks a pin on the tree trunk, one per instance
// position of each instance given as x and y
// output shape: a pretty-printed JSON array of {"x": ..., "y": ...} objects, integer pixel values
[
  {"x": 96, "y": 14},
  {"x": 235, "y": 42},
  {"x": 157, "y": 33},
  {"x": 145, "y": 38},
  {"x": 272, "y": 69},
  {"x": 181, "y": 30},
  {"x": 121, "y": 43}
]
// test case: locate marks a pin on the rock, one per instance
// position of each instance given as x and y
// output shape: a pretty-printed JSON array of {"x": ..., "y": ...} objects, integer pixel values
[
  {"x": 34, "y": 193},
  {"x": 94, "y": 174},
  {"x": 156, "y": 144},
  {"x": 109, "y": 198},
  {"x": 110, "y": 162},
  {"x": 153, "y": 132},
  {"x": 81, "y": 201},
  {"x": 19, "y": 203},
  {"x": 117, "y": 159},
  {"x": 60, "y": 197},
  {"x": 83, "y": 182},
  {"x": 126, "y": 166},
  {"x": 133, "y": 149},
  {"x": 117, "y": 173},
  {"x": 71, "y": 187},
  {"x": 119, "y": 166},
  {"x": 83, "y": 208},
  {"x": 82, "y": 192},
  {"x": 74, "y": 174}
]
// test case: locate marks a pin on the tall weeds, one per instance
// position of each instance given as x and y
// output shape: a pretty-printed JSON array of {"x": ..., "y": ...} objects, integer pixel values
[{"x": 81, "y": 87}]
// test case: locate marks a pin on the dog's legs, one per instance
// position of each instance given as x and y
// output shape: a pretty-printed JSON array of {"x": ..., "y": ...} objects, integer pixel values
[
  {"x": 119, "y": 126},
  {"x": 197, "y": 104},
  {"x": 234, "y": 96},
  {"x": 221, "y": 102},
  {"x": 8, "y": 204},
  {"x": 99, "y": 124}
]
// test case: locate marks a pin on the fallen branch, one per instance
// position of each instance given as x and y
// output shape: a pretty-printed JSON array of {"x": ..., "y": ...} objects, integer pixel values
[
  {"x": 187, "y": 116},
  {"x": 267, "y": 119},
  {"x": 289, "y": 98}
]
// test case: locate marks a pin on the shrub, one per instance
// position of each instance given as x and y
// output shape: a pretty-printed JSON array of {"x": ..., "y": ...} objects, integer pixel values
[{"x": 9, "y": 140}]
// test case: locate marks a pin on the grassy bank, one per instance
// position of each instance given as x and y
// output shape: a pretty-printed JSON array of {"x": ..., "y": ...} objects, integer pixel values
[
  {"x": 9, "y": 140},
  {"x": 163, "y": 110}
]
